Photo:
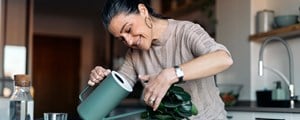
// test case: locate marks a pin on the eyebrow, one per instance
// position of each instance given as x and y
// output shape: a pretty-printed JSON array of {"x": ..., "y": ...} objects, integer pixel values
[{"x": 123, "y": 27}]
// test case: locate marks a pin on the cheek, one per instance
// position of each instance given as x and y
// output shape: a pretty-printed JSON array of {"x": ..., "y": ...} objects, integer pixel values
[
  {"x": 147, "y": 43},
  {"x": 145, "y": 32}
]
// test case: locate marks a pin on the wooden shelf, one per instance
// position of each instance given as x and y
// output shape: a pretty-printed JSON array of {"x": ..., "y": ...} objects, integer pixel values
[{"x": 285, "y": 32}]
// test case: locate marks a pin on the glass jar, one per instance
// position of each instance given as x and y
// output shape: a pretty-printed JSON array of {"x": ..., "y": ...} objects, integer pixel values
[{"x": 21, "y": 101}]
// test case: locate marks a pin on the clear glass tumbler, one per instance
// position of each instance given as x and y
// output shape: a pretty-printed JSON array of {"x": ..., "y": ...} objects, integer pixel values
[{"x": 55, "y": 116}]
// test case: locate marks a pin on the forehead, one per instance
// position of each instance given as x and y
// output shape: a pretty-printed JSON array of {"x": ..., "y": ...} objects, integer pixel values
[{"x": 118, "y": 21}]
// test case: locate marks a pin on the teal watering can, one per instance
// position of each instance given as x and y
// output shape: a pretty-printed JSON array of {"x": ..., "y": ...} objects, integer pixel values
[{"x": 104, "y": 98}]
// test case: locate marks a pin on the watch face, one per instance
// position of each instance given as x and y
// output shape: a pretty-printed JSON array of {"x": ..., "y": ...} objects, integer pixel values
[{"x": 179, "y": 72}]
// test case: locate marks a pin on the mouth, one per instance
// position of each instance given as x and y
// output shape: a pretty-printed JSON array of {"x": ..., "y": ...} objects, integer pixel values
[{"x": 138, "y": 42}]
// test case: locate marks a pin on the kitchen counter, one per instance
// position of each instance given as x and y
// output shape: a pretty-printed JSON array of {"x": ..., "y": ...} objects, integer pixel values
[
  {"x": 250, "y": 106},
  {"x": 241, "y": 106}
]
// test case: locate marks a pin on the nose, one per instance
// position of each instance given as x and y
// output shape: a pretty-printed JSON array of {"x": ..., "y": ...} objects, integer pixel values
[{"x": 128, "y": 40}]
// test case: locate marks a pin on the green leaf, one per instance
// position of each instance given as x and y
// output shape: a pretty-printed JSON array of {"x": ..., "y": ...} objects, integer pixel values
[
  {"x": 145, "y": 115},
  {"x": 164, "y": 117},
  {"x": 175, "y": 88},
  {"x": 194, "y": 110},
  {"x": 181, "y": 114},
  {"x": 186, "y": 107},
  {"x": 171, "y": 105},
  {"x": 184, "y": 96}
]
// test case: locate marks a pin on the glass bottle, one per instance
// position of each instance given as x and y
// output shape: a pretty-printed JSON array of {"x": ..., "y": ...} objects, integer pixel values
[{"x": 21, "y": 102}]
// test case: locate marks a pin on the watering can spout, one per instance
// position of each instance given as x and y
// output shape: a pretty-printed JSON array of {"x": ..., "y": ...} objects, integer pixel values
[{"x": 124, "y": 115}]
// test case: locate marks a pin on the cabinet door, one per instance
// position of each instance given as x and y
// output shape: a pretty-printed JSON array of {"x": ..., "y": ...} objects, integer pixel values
[
  {"x": 240, "y": 116},
  {"x": 296, "y": 116},
  {"x": 272, "y": 116}
]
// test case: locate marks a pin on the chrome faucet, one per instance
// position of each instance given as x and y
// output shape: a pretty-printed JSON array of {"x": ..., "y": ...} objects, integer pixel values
[{"x": 290, "y": 83}]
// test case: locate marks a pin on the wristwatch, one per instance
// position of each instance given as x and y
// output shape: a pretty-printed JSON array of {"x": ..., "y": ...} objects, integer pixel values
[{"x": 179, "y": 74}]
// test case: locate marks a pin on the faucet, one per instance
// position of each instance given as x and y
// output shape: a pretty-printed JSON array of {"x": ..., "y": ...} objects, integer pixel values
[{"x": 291, "y": 72}]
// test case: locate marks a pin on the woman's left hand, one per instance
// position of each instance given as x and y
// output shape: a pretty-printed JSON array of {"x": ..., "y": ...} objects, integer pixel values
[{"x": 157, "y": 86}]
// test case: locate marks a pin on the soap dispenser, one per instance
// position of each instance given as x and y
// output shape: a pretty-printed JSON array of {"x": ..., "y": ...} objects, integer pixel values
[{"x": 278, "y": 92}]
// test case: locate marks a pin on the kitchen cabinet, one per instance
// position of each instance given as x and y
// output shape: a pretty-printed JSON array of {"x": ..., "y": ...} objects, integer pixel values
[
  {"x": 17, "y": 18},
  {"x": 289, "y": 31},
  {"x": 239, "y": 115},
  {"x": 235, "y": 115}
]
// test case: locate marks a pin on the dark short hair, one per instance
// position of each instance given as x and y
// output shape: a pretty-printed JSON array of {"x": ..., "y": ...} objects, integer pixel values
[{"x": 115, "y": 7}]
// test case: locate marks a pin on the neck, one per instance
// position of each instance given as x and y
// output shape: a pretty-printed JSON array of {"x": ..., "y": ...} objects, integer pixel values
[{"x": 159, "y": 26}]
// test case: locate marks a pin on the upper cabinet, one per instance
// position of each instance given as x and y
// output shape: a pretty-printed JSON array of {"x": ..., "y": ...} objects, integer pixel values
[{"x": 285, "y": 32}]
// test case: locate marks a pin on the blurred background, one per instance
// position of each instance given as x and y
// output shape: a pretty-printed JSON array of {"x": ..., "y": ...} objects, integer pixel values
[{"x": 58, "y": 43}]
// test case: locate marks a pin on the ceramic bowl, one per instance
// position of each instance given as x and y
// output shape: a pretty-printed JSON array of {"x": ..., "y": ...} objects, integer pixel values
[
  {"x": 285, "y": 20},
  {"x": 229, "y": 93}
]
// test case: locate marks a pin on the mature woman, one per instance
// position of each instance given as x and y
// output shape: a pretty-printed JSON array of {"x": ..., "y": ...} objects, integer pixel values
[{"x": 164, "y": 52}]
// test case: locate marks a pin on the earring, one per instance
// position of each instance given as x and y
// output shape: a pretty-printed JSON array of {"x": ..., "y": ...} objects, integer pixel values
[{"x": 148, "y": 22}]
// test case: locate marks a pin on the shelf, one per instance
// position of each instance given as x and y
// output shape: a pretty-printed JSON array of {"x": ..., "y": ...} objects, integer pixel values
[{"x": 285, "y": 32}]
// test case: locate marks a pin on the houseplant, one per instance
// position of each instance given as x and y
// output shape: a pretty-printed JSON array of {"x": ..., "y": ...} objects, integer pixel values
[{"x": 176, "y": 105}]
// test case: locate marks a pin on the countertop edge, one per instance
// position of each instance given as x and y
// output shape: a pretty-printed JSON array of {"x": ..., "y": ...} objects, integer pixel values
[{"x": 250, "y": 106}]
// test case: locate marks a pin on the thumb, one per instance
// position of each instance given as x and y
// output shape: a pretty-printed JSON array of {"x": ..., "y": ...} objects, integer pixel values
[{"x": 144, "y": 78}]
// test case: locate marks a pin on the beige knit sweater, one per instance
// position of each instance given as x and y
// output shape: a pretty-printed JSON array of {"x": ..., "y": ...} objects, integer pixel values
[{"x": 181, "y": 42}]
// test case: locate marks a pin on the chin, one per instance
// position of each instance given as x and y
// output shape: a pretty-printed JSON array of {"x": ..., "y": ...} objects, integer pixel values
[{"x": 145, "y": 48}]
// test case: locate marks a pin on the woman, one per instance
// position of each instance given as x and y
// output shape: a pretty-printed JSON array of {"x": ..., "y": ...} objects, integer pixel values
[{"x": 164, "y": 52}]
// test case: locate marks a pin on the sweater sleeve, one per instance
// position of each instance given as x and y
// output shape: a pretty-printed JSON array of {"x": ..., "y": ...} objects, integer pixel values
[
  {"x": 127, "y": 69},
  {"x": 199, "y": 41}
]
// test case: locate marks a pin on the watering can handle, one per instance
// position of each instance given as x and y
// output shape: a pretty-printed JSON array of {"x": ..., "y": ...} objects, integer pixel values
[{"x": 83, "y": 92}]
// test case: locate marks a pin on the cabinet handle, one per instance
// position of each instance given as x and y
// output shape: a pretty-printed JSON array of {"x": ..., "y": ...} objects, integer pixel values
[
  {"x": 267, "y": 119},
  {"x": 229, "y": 116}
]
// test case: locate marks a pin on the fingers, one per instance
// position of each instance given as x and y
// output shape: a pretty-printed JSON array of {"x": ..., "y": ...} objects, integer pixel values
[
  {"x": 155, "y": 89},
  {"x": 91, "y": 83},
  {"x": 147, "y": 95},
  {"x": 156, "y": 103},
  {"x": 153, "y": 101},
  {"x": 152, "y": 98},
  {"x": 97, "y": 75},
  {"x": 150, "y": 101}
]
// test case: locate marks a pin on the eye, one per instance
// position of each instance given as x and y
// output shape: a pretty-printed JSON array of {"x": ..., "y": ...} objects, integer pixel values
[{"x": 128, "y": 30}]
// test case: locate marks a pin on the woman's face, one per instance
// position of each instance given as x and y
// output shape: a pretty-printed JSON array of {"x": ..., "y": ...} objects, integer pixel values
[{"x": 132, "y": 30}]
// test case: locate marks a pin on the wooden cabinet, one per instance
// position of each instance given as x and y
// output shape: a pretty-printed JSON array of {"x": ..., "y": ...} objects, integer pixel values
[
  {"x": 17, "y": 18},
  {"x": 285, "y": 32}
]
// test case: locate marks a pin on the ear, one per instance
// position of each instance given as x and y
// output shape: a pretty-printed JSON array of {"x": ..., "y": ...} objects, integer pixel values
[{"x": 143, "y": 10}]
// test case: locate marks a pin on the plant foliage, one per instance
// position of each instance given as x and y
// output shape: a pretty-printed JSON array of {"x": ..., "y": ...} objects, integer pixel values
[{"x": 176, "y": 105}]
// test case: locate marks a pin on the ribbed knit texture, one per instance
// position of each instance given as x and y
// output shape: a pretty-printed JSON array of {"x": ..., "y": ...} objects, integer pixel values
[{"x": 181, "y": 42}]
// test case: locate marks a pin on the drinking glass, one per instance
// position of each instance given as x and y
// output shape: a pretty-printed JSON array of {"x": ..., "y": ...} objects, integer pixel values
[{"x": 55, "y": 116}]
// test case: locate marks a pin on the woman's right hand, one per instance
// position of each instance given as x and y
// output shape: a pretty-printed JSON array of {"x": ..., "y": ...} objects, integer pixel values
[{"x": 97, "y": 75}]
